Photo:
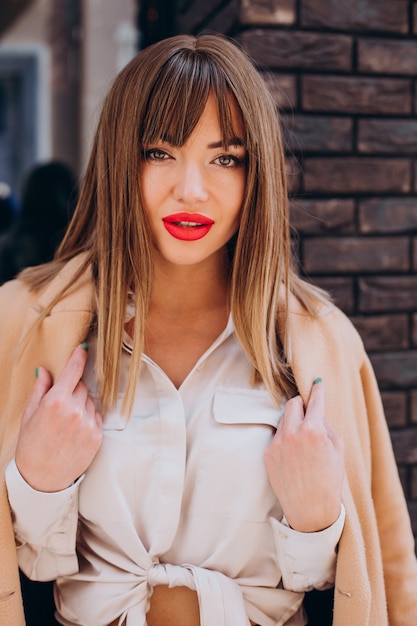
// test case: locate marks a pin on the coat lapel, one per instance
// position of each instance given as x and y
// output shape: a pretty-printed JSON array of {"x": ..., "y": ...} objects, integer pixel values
[
  {"x": 319, "y": 349},
  {"x": 48, "y": 343}
]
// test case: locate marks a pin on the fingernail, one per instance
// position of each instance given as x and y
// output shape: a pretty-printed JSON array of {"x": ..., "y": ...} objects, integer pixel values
[
  {"x": 317, "y": 380},
  {"x": 37, "y": 372},
  {"x": 84, "y": 345}
]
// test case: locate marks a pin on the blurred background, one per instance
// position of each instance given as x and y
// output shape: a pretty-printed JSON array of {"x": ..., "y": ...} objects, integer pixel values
[{"x": 343, "y": 74}]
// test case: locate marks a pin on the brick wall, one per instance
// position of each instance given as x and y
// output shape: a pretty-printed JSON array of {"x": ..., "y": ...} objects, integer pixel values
[{"x": 343, "y": 74}]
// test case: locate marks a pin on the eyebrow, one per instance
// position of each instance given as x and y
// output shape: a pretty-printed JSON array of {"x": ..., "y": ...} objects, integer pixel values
[{"x": 233, "y": 141}]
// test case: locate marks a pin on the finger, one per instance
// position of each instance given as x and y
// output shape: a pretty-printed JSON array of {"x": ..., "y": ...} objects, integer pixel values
[
  {"x": 90, "y": 407},
  {"x": 42, "y": 385},
  {"x": 80, "y": 392},
  {"x": 99, "y": 419},
  {"x": 293, "y": 414},
  {"x": 74, "y": 369},
  {"x": 316, "y": 403}
]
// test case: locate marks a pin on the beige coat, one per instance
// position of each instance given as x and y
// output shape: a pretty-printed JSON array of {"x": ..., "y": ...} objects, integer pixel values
[{"x": 377, "y": 543}]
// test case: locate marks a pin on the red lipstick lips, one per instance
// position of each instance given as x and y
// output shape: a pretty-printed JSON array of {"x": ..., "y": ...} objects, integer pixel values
[{"x": 187, "y": 226}]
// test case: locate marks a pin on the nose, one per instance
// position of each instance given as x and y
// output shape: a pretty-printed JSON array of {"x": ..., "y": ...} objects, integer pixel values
[{"x": 190, "y": 185}]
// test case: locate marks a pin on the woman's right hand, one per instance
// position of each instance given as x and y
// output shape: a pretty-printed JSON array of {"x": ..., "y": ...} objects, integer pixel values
[{"x": 61, "y": 431}]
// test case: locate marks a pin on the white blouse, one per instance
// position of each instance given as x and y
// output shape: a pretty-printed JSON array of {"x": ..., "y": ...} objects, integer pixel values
[{"x": 178, "y": 495}]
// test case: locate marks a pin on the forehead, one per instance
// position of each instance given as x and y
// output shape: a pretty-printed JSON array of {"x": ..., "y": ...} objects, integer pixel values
[
  {"x": 210, "y": 120},
  {"x": 175, "y": 117}
]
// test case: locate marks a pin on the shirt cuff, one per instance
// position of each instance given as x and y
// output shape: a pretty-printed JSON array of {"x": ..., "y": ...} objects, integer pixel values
[
  {"x": 38, "y": 515},
  {"x": 307, "y": 560}
]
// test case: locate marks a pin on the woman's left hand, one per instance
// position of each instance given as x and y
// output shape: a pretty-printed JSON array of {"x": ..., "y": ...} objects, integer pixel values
[{"x": 305, "y": 464}]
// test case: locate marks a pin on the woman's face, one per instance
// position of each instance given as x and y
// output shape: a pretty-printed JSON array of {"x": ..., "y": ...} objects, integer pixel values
[{"x": 193, "y": 194}]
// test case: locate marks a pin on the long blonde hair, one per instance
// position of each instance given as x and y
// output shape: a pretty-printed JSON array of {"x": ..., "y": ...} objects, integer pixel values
[{"x": 162, "y": 93}]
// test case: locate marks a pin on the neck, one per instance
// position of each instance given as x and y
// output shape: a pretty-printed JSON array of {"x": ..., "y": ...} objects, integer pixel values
[{"x": 189, "y": 290}]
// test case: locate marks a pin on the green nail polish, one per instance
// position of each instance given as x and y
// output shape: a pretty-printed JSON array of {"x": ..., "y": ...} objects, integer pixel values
[
  {"x": 37, "y": 372},
  {"x": 84, "y": 345},
  {"x": 317, "y": 380}
]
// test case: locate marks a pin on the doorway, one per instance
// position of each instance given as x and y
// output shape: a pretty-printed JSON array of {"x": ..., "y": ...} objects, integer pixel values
[{"x": 19, "y": 115}]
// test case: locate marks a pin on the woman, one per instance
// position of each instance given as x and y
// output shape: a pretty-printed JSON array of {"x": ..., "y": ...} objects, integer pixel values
[{"x": 186, "y": 465}]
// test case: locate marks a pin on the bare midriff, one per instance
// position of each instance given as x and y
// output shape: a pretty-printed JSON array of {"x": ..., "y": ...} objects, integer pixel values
[{"x": 172, "y": 606}]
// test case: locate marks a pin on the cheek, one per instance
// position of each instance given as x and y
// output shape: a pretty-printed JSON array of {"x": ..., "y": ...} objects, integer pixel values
[
  {"x": 239, "y": 198},
  {"x": 236, "y": 223},
  {"x": 235, "y": 218},
  {"x": 241, "y": 188},
  {"x": 149, "y": 194}
]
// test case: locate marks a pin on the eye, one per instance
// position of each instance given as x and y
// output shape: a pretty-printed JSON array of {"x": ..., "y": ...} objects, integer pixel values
[
  {"x": 228, "y": 160},
  {"x": 156, "y": 154}
]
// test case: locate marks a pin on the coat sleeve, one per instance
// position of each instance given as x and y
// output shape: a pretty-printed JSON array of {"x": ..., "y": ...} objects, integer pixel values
[
  {"x": 11, "y": 607},
  {"x": 18, "y": 311},
  {"x": 14, "y": 302},
  {"x": 45, "y": 526},
  {"x": 394, "y": 527}
]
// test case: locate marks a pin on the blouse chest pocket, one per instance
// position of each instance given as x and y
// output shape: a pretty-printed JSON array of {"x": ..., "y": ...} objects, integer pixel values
[
  {"x": 240, "y": 407},
  {"x": 244, "y": 424},
  {"x": 231, "y": 453}
]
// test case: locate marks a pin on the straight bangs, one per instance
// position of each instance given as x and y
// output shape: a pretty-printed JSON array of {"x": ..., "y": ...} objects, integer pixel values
[{"x": 178, "y": 98}]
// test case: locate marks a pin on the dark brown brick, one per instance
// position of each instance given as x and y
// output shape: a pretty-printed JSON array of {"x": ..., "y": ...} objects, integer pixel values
[
  {"x": 388, "y": 215},
  {"x": 215, "y": 15},
  {"x": 355, "y": 254},
  {"x": 356, "y": 15},
  {"x": 413, "y": 489},
  {"x": 413, "y": 412},
  {"x": 293, "y": 174},
  {"x": 298, "y": 49},
  {"x": 383, "y": 332},
  {"x": 341, "y": 290},
  {"x": 387, "y": 56},
  {"x": 388, "y": 293},
  {"x": 264, "y": 12},
  {"x": 295, "y": 252},
  {"x": 396, "y": 369},
  {"x": 412, "y": 509},
  {"x": 318, "y": 133},
  {"x": 414, "y": 334},
  {"x": 357, "y": 175},
  {"x": 353, "y": 94},
  {"x": 394, "y": 135},
  {"x": 403, "y": 475},
  {"x": 283, "y": 89},
  {"x": 395, "y": 407},
  {"x": 414, "y": 253},
  {"x": 323, "y": 216},
  {"x": 404, "y": 442}
]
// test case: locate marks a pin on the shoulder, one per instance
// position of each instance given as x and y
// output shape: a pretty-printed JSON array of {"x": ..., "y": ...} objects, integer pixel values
[
  {"x": 329, "y": 327},
  {"x": 19, "y": 295},
  {"x": 71, "y": 288},
  {"x": 324, "y": 343},
  {"x": 14, "y": 295}
]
